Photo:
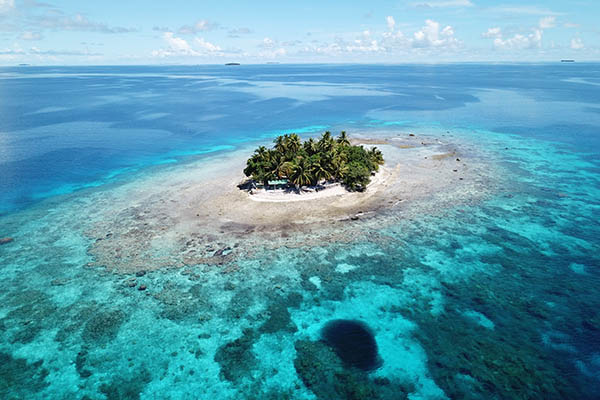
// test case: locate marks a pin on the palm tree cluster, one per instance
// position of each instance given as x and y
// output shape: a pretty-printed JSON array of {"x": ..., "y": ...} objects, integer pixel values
[{"x": 314, "y": 161}]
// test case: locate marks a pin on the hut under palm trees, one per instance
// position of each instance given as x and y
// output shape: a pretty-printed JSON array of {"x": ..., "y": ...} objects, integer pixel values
[{"x": 292, "y": 163}]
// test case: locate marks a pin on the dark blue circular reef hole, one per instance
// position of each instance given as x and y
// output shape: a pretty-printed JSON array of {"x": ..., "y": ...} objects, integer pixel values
[{"x": 353, "y": 342}]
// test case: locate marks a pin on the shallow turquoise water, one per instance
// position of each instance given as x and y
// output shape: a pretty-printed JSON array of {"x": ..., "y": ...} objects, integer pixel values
[{"x": 494, "y": 298}]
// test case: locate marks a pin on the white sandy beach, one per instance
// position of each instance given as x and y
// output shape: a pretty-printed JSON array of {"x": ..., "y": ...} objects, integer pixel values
[{"x": 378, "y": 181}]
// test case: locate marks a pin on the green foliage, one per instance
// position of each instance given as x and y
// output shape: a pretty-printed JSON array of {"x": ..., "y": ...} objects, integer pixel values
[
  {"x": 312, "y": 162},
  {"x": 357, "y": 177}
]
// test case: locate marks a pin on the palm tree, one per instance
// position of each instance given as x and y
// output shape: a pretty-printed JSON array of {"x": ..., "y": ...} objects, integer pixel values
[
  {"x": 261, "y": 151},
  {"x": 293, "y": 143},
  {"x": 376, "y": 156},
  {"x": 326, "y": 143},
  {"x": 280, "y": 143},
  {"x": 318, "y": 170},
  {"x": 285, "y": 169},
  {"x": 255, "y": 163},
  {"x": 310, "y": 146},
  {"x": 301, "y": 174},
  {"x": 339, "y": 166},
  {"x": 343, "y": 139},
  {"x": 313, "y": 161}
]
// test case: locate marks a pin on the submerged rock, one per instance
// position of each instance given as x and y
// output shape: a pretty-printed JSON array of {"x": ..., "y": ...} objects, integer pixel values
[
  {"x": 328, "y": 377},
  {"x": 236, "y": 358},
  {"x": 126, "y": 387},
  {"x": 322, "y": 372},
  {"x": 103, "y": 326},
  {"x": 80, "y": 363},
  {"x": 6, "y": 240},
  {"x": 222, "y": 252},
  {"x": 20, "y": 379},
  {"x": 279, "y": 319}
]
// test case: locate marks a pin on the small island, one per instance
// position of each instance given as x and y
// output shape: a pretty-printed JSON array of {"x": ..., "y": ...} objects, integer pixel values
[
  {"x": 202, "y": 216},
  {"x": 313, "y": 164}
]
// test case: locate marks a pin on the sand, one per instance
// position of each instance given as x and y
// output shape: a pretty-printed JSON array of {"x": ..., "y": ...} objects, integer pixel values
[{"x": 196, "y": 213}]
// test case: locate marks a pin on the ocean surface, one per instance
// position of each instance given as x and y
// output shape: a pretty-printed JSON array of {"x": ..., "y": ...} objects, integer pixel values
[{"x": 494, "y": 299}]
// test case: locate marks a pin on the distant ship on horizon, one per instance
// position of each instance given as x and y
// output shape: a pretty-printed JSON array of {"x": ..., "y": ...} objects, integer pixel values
[{"x": 567, "y": 60}]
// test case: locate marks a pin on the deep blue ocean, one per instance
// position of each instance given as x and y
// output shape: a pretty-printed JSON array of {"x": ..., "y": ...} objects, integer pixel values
[{"x": 496, "y": 300}]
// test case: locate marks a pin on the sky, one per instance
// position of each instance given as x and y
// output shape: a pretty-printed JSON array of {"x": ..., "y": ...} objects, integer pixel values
[{"x": 75, "y": 32}]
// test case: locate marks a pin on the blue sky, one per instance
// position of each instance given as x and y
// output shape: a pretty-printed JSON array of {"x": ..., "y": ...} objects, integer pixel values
[{"x": 376, "y": 31}]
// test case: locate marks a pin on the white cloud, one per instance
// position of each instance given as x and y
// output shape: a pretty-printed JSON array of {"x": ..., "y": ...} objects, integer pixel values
[
  {"x": 180, "y": 47},
  {"x": 177, "y": 44},
  {"x": 28, "y": 35},
  {"x": 292, "y": 43},
  {"x": 577, "y": 44},
  {"x": 207, "y": 46},
  {"x": 271, "y": 48},
  {"x": 547, "y": 22},
  {"x": 571, "y": 25},
  {"x": 235, "y": 33},
  {"x": 37, "y": 51},
  {"x": 391, "y": 22},
  {"x": 444, "y": 4},
  {"x": 268, "y": 43},
  {"x": 43, "y": 54},
  {"x": 280, "y": 52},
  {"x": 431, "y": 36},
  {"x": 523, "y": 10},
  {"x": 393, "y": 39},
  {"x": 78, "y": 22},
  {"x": 518, "y": 41},
  {"x": 12, "y": 52},
  {"x": 6, "y": 5},
  {"x": 200, "y": 26},
  {"x": 492, "y": 33},
  {"x": 363, "y": 44}
]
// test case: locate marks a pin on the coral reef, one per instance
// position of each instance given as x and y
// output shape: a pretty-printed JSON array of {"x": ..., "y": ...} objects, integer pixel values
[
  {"x": 20, "y": 379},
  {"x": 236, "y": 358},
  {"x": 103, "y": 326},
  {"x": 325, "y": 374}
]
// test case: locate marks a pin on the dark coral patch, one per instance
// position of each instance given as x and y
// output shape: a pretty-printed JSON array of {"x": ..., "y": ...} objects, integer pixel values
[
  {"x": 127, "y": 387},
  {"x": 236, "y": 358},
  {"x": 20, "y": 379},
  {"x": 103, "y": 326},
  {"x": 324, "y": 373}
]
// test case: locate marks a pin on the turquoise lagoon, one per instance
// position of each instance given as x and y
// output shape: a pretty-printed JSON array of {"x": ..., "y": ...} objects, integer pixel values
[{"x": 494, "y": 297}]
